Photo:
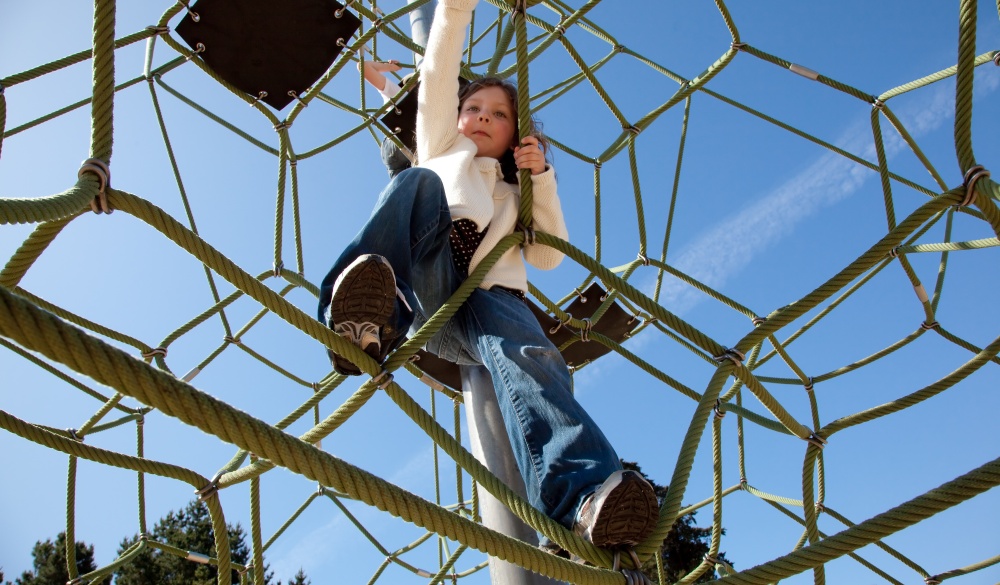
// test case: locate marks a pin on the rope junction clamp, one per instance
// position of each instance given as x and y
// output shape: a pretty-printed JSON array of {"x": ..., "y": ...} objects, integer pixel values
[
  {"x": 383, "y": 379},
  {"x": 758, "y": 321},
  {"x": 933, "y": 580},
  {"x": 996, "y": 59},
  {"x": 160, "y": 30},
  {"x": 894, "y": 253},
  {"x": 732, "y": 354},
  {"x": 643, "y": 258},
  {"x": 100, "y": 168},
  {"x": 820, "y": 508},
  {"x": 585, "y": 332},
  {"x": 817, "y": 440},
  {"x": 529, "y": 235},
  {"x": 719, "y": 414},
  {"x": 809, "y": 385},
  {"x": 278, "y": 267},
  {"x": 971, "y": 176},
  {"x": 210, "y": 489},
  {"x": 158, "y": 351},
  {"x": 738, "y": 46},
  {"x": 282, "y": 126},
  {"x": 877, "y": 102},
  {"x": 74, "y": 436},
  {"x": 928, "y": 326}
]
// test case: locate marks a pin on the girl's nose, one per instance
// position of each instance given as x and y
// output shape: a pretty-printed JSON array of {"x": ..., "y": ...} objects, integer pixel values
[{"x": 483, "y": 118}]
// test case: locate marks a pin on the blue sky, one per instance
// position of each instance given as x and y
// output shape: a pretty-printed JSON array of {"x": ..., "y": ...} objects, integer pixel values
[{"x": 763, "y": 216}]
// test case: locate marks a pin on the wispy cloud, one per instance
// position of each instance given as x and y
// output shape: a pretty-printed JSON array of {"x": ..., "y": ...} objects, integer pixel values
[{"x": 769, "y": 217}]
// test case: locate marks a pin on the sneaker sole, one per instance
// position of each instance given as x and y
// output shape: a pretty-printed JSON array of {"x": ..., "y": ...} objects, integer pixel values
[
  {"x": 627, "y": 515},
  {"x": 364, "y": 293}
]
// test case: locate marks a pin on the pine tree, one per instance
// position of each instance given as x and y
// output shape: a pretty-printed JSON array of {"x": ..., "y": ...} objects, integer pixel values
[
  {"x": 300, "y": 579},
  {"x": 49, "y": 560},
  {"x": 191, "y": 530}
]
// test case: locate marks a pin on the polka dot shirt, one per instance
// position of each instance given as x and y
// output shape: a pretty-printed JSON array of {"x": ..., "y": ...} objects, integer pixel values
[{"x": 465, "y": 240}]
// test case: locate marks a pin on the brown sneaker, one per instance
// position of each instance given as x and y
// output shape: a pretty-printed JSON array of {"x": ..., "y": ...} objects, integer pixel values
[{"x": 621, "y": 513}]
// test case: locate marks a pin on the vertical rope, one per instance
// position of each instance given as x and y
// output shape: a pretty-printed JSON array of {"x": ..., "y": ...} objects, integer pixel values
[
  {"x": 102, "y": 108},
  {"x": 963, "y": 84},
  {"x": 523, "y": 106}
]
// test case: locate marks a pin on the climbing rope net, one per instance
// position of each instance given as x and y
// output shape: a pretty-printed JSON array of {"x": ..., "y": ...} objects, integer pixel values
[{"x": 736, "y": 380}]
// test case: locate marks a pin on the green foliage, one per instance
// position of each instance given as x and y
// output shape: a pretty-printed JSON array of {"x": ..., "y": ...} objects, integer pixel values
[
  {"x": 191, "y": 530},
  {"x": 49, "y": 559},
  {"x": 686, "y": 544},
  {"x": 300, "y": 579}
]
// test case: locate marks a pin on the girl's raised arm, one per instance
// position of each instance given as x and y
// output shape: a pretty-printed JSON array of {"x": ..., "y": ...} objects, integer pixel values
[{"x": 437, "y": 100}]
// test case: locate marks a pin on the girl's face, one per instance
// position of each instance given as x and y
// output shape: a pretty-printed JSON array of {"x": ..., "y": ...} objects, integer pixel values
[{"x": 487, "y": 117}]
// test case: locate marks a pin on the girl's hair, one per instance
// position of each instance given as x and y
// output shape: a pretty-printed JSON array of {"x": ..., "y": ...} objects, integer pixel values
[{"x": 507, "y": 164}]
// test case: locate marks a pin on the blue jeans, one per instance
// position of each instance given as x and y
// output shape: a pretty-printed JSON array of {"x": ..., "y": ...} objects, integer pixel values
[
  {"x": 393, "y": 158},
  {"x": 561, "y": 453}
]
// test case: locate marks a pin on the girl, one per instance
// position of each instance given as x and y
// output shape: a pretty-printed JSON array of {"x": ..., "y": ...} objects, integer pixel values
[{"x": 431, "y": 226}]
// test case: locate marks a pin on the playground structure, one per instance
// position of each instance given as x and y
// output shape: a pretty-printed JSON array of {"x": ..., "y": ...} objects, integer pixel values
[{"x": 952, "y": 217}]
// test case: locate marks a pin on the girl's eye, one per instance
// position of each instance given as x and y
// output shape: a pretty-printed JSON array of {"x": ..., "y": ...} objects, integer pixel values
[
  {"x": 472, "y": 109},
  {"x": 500, "y": 115}
]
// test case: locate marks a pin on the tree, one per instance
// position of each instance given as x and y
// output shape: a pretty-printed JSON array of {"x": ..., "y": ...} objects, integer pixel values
[
  {"x": 686, "y": 544},
  {"x": 190, "y": 530},
  {"x": 49, "y": 560},
  {"x": 299, "y": 579}
]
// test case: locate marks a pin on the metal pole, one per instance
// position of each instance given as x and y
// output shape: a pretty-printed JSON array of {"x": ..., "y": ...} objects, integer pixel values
[
  {"x": 420, "y": 26},
  {"x": 491, "y": 446}
]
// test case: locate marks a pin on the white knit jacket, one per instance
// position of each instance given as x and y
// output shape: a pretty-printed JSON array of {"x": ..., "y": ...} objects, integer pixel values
[{"x": 474, "y": 185}]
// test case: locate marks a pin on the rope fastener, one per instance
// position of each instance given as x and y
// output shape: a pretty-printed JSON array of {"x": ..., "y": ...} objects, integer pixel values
[
  {"x": 100, "y": 168},
  {"x": 719, "y": 414},
  {"x": 74, "y": 436},
  {"x": 809, "y": 385},
  {"x": 732, "y": 354},
  {"x": 643, "y": 258},
  {"x": 877, "y": 103},
  {"x": 817, "y": 440},
  {"x": 569, "y": 317},
  {"x": 160, "y": 30},
  {"x": 340, "y": 11},
  {"x": 159, "y": 351},
  {"x": 383, "y": 379},
  {"x": 282, "y": 126},
  {"x": 198, "y": 48},
  {"x": 529, "y": 235},
  {"x": 934, "y": 580},
  {"x": 209, "y": 490},
  {"x": 737, "y": 46},
  {"x": 996, "y": 58},
  {"x": 260, "y": 96},
  {"x": 585, "y": 332},
  {"x": 278, "y": 267},
  {"x": 294, "y": 94},
  {"x": 971, "y": 176},
  {"x": 929, "y": 326}
]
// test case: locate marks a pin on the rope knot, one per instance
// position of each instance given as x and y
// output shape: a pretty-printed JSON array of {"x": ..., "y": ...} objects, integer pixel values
[
  {"x": 100, "y": 168},
  {"x": 971, "y": 176}
]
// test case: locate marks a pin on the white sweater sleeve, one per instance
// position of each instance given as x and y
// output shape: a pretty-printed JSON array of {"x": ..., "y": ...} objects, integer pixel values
[
  {"x": 547, "y": 216},
  {"x": 437, "y": 100}
]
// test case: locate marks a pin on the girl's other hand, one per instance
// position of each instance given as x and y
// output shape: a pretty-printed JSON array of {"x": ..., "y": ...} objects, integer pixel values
[{"x": 530, "y": 155}]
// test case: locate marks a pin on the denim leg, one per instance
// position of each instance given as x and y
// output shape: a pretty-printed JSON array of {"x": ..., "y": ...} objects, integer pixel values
[
  {"x": 562, "y": 454},
  {"x": 409, "y": 227}
]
